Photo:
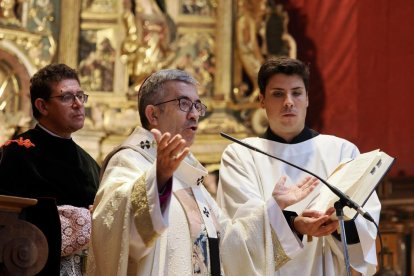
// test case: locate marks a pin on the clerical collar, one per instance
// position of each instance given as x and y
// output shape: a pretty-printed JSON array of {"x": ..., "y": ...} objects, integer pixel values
[
  {"x": 305, "y": 134},
  {"x": 51, "y": 133}
]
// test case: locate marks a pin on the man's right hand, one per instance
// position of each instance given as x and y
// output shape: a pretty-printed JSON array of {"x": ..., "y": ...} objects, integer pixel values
[
  {"x": 314, "y": 223},
  {"x": 286, "y": 196},
  {"x": 170, "y": 153}
]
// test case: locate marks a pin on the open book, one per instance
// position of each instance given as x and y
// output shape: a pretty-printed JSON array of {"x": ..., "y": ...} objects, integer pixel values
[{"x": 357, "y": 178}]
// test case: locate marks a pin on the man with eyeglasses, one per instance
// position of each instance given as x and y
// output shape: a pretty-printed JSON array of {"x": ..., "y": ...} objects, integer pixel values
[
  {"x": 152, "y": 214},
  {"x": 46, "y": 164}
]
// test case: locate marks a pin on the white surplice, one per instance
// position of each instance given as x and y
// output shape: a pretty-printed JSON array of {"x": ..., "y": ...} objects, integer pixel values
[
  {"x": 247, "y": 176},
  {"x": 133, "y": 235}
]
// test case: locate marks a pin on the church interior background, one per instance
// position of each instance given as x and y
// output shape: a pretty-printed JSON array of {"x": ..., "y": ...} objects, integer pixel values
[{"x": 360, "y": 54}]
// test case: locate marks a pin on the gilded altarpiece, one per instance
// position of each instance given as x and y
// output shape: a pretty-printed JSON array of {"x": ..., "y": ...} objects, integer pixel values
[
  {"x": 28, "y": 41},
  {"x": 115, "y": 45}
]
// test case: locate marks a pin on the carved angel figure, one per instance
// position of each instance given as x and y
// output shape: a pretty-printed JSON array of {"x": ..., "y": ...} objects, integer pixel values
[
  {"x": 149, "y": 41},
  {"x": 261, "y": 31}
]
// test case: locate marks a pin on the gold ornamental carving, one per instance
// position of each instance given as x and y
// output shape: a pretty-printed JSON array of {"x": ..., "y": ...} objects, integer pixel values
[
  {"x": 27, "y": 25},
  {"x": 115, "y": 45},
  {"x": 150, "y": 41}
]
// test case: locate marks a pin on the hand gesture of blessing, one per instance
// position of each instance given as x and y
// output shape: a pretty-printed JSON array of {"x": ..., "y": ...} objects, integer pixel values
[{"x": 170, "y": 153}]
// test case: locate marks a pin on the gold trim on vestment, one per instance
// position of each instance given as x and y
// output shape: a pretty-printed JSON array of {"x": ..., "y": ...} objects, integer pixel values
[
  {"x": 142, "y": 217},
  {"x": 280, "y": 256}
]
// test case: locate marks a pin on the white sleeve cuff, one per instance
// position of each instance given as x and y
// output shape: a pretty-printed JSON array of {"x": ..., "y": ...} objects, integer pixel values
[{"x": 289, "y": 240}]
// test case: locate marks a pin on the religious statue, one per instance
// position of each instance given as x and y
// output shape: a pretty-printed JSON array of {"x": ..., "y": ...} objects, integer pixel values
[
  {"x": 199, "y": 7},
  {"x": 249, "y": 27},
  {"x": 278, "y": 41},
  {"x": 97, "y": 68},
  {"x": 260, "y": 32},
  {"x": 8, "y": 10},
  {"x": 149, "y": 44}
]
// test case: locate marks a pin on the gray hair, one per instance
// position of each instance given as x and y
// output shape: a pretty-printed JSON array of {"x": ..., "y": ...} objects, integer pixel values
[{"x": 151, "y": 90}]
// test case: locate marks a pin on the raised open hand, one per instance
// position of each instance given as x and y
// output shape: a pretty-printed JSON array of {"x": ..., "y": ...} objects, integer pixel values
[
  {"x": 286, "y": 196},
  {"x": 170, "y": 153}
]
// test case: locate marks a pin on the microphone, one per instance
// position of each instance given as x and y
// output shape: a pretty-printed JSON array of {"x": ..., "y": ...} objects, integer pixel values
[{"x": 345, "y": 200}]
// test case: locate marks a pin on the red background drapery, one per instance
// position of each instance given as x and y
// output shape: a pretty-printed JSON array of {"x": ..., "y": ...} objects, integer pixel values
[{"x": 361, "y": 54}]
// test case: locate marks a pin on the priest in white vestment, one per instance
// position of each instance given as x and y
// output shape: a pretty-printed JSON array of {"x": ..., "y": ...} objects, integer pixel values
[
  {"x": 247, "y": 176},
  {"x": 153, "y": 216}
]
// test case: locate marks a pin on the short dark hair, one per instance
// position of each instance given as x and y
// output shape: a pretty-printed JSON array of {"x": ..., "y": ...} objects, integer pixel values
[
  {"x": 151, "y": 90},
  {"x": 282, "y": 65},
  {"x": 41, "y": 82}
]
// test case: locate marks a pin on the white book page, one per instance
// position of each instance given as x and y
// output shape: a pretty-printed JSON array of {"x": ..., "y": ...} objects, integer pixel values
[
  {"x": 346, "y": 177},
  {"x": 353, "y": 171}
]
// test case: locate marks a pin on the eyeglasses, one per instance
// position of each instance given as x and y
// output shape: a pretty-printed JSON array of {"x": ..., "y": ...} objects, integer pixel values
[
  {"x": 186, "y": 105},
  {"x": 69, "y": 98}
]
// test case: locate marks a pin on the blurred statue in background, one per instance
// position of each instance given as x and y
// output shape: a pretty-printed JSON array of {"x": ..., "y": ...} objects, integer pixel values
[
  {"x": 149, "y": 44},
  {"x": 199, "y": 7},
  {"x": 10, "y": 12},
  {"x": 278, "y": 40},
  {"x": 96, "y": 69},
  {"x": 261, "y": 31},
  {"x": 249, "y": 28}
]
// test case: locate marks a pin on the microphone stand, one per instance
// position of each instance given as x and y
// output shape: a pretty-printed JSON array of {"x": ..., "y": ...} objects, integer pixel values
[
  {"x": 343, "y": 201},
  {"x": 340, "y": 215}
]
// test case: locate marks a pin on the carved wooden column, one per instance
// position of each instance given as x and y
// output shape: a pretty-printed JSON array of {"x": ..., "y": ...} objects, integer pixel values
[
  {"x": 23, "y": 247},
  {"x": 69, "y": 32},
  {"x": 224, "y": 50}
]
